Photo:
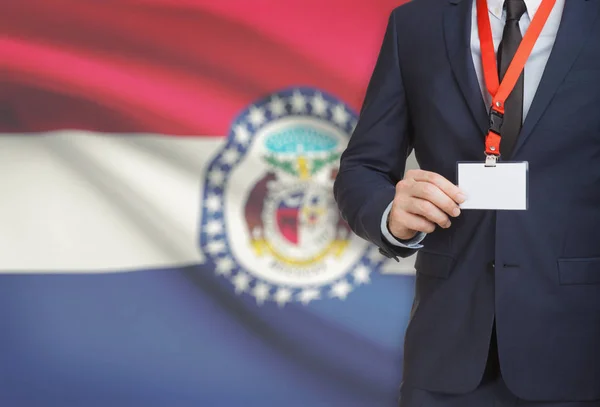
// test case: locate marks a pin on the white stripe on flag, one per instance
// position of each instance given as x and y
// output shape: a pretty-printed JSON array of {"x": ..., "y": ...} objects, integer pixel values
[
  {"x": 88, "y": 202},
  {"x": 83, "y": 202}
]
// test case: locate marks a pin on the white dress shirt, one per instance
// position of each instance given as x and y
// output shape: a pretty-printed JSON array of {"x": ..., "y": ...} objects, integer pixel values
[{"x": 534, "y": 68}]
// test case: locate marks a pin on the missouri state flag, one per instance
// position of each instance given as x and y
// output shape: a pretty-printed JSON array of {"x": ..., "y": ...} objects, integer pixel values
[{"x": 168, "y": 233}]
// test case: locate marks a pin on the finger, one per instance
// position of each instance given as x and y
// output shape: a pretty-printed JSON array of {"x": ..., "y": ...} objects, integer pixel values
[
  {"x": 417, "y": 223},
  {"x": 436, "y": 196},
  {"x": 442, "y": 183},
  {"x": 429, "y": 211}
]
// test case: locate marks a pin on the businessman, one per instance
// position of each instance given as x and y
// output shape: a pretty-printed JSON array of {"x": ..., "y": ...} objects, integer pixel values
[{"x": 507, "y": 302}]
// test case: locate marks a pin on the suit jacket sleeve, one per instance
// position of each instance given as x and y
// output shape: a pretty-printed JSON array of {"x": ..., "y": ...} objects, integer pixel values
[{"x": 375, "y": 158}]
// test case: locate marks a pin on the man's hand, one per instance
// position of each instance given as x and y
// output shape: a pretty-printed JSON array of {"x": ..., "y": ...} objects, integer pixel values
[{"x": 423, "y": 200}]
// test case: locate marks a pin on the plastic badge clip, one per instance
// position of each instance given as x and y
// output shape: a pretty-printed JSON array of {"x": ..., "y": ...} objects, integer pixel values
[{"x": 490, "y": 160}]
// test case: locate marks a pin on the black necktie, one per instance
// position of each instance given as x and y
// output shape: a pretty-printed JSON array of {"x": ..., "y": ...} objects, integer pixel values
[{"x": 513, "y": 107}]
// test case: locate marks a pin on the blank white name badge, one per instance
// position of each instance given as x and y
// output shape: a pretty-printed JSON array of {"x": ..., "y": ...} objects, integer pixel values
[{"x": 502, "y": 187}]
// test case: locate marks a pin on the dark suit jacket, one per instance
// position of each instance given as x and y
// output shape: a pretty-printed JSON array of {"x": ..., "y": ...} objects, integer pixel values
[{"x": 544, "y": 290}]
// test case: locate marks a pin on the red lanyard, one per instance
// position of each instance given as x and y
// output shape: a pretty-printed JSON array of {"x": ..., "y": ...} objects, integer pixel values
[{"x": 501, "y": 91}]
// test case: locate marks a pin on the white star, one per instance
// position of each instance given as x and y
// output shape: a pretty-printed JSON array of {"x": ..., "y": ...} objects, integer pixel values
[
  {"x": 353, "y": 126},
  {"x": 215, "y": 247},
  {"x": 257, "y": 116},
  {"x": 241, "y": 282},
  {"x": 298, "y": 102},
  {"x": 230, "y": 156},
  {"x": 340, "y": 115},
  {"x": 340, "y": 290},
  {"x": 319, "y": 105},
  {"x": 214, "y": 227},
  {"x": 216, "y": 177},
  {"x": 225, "y": 266},
  {"x": 261, "y": 292},
  {"x": 361, "y": 274},
  {"x": 283, "y": 296},
  {"x": 309, "y": 294},
  {"x": 242, "y": 135},
  {"x": 213, "y": 203},
  {"x": 277, "y": 106}
]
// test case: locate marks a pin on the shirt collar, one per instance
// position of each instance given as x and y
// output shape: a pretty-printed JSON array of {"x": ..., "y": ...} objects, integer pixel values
[{"x": 496, "y": 7}]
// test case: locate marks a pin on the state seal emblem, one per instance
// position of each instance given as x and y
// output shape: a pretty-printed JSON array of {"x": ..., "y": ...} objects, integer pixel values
[{"x": 269, "y": 220}]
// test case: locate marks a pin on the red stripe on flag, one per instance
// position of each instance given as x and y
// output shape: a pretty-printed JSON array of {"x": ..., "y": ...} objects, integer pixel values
[{"x": 185, "y": 68}]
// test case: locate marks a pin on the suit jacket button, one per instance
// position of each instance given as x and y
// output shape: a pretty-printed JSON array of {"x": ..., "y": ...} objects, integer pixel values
[
  {"x": 385, "y": 253},
  {"x": 388, "y": 254}
]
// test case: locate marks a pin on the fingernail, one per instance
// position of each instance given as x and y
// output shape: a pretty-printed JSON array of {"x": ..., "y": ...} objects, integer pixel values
[
  {"x": 448, "y": 224},
  {"x": 461, "y": 198},
  {"x": 456, "y": 212}
]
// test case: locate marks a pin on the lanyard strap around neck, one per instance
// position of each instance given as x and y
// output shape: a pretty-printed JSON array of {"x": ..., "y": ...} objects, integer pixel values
[{"x": 501, "y": 91}]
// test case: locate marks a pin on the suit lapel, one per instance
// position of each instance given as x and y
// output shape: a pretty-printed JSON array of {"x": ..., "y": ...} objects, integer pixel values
[
  {"x": 576, "y": 23},
  {"x": 457, "y": 34}
]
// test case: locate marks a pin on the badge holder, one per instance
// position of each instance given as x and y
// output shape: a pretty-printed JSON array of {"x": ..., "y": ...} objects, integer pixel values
[
  {"x": 501, "y": 187},
  {"x": 494, "y": 185}
]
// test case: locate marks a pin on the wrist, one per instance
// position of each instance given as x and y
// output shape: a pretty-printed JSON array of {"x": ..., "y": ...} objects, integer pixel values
[{"x": 403, "y": 234}]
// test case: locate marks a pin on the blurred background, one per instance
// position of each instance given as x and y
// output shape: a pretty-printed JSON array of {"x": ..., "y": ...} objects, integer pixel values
[{"x": 168, "y": 235}]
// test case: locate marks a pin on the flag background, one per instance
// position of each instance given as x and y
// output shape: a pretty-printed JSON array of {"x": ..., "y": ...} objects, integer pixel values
[{"x": 110, "y": 113}]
